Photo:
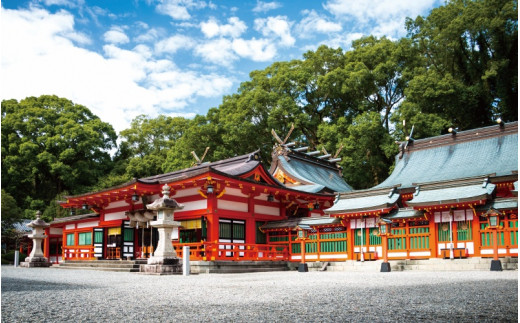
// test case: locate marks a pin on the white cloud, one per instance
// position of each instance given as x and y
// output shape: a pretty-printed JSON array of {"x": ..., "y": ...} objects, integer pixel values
[
  {"x": 266, "y": 6},
  {"x": 259, "y": 50},
  {"x": 277, "y": 26},
  {"x": 116, "y": 35},
  {"x": 218, "y": 51},
  {"x": 173, "y": 44},
  {"x": 117, "y": 85},
  {"x": 314, "y": 23},
  {"x": 178, "y": 9},
  {"x": 379, "y": 16},
  {"x": 64, "y": 3},
  {"x": 150, "y": 35},
  {"x": 234, "y": 28}
]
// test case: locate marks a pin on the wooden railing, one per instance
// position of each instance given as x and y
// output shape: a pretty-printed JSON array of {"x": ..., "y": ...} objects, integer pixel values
[
  {"x": 323, "y": 245},
  {"x": 210, "y": 251},
  {"x": 78, "y": 253},
  {"x": 507, "y": 238}
]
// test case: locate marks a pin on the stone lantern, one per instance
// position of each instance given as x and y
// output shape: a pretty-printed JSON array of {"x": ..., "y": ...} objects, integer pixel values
[
  {"x": 164, "y": 259},
  {"x": 36, "y": 258}
]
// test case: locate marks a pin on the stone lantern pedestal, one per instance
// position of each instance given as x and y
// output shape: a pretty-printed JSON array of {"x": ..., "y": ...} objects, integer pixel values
[
  {"x": 164, "y": 260},
  {"x": 36, "y": 258}
]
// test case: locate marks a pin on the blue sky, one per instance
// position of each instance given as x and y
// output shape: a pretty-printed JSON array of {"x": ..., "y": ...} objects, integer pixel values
[{"x": 172, "y": 57}]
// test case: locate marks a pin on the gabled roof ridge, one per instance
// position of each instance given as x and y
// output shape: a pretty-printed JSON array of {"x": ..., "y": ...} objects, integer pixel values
[
  {"x": 202, "y": 166},
  {"x": 369, "y": 192},
  {"x": 465, "y": 136},
  {"x": 455, "y": 182},
  {"x": 315, "y": 160}
]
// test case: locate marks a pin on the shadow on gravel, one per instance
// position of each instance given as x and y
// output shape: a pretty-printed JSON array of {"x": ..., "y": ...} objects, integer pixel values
[{"x": 25, "y": 285}]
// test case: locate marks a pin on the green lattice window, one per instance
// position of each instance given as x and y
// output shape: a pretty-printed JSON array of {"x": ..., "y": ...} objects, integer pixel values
[
  {"x": 486, "y": 237},
  {"x": 70, "y": 239},
  {"x": 359, "y": 236},
  {"x": 333, "y": 246},
  {"x": 514, "y": 233},
  {"x": 85, "y": 238},
  {"x": 443, "y": 230},
  {"x": 375, "y": 239},
  {"x": 239, "y": 231},
  {"x": 464, "y": 232},
  {"x": 128, "y": 235},
  {"x": 98, "y": 236}
]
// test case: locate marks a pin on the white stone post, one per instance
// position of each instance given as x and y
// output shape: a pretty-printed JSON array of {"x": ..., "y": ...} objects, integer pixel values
[{"x": 186, "y": 261}]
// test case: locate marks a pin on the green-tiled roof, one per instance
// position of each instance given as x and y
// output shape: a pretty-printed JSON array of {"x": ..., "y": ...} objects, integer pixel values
[
  {"x": 450, "y": 195},
  {"x": 314, "y": 174},
  {"x": 500, "y": 204},
  {"x": 454, "y": 159},
  {"x": 406, "y": 213},
  {"x": 369, "y": 202},
  {"x": 315, "y": 188},
  {"x": 302, "y": 222}
]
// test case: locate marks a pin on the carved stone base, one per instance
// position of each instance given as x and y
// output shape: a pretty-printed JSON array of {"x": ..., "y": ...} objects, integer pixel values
[
  {"x": 35, "y": 262},
  {"x": 163, "y": 261},
  {"x": 162, "y": 266},
  {"x": 161, "y": 269}
]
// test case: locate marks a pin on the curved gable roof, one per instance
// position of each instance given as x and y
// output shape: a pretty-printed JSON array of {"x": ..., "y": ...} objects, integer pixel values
[
  {"x": 314, "y": 174},
  {"x": 479, "y": 152}
]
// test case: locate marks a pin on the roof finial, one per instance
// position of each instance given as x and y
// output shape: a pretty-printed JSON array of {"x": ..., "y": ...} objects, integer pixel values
[{"x": 166, "y": 190}]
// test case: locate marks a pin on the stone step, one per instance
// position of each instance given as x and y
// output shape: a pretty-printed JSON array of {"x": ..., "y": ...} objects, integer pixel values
[
  {"x": 103, "y": 265},
  {"x": 103, "y": 269}
]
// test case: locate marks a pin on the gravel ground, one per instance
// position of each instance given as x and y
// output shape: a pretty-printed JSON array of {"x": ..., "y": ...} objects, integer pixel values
[{"x": 54, "y": 295}]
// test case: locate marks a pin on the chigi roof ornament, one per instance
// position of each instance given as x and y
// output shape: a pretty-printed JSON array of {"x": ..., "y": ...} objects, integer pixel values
[
  {"x": 199, "y": 160},
  {"x": 408, "y": 141}
]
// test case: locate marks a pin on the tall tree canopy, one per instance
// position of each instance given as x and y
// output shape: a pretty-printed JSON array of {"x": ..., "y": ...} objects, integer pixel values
[
  {"x": 147, "y": 142},
  {"x": 470, "y": 71},
  {"x": 49, "y": 145}
]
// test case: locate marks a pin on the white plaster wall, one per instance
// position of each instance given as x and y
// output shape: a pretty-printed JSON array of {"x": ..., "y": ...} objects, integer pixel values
[
  {"x": 116, "y": 204},
  {"x": 234, "y": 206},
  {"x": 333, "y": 256},
  {"x": 70, "y": 226},
  {"x": 185, "y": 192},
  {"x": 269, "y": 210},
  {"x": 397, "y": 254},
  {"x": 56, "y": 231},
  {"x": 194, "y": 205},
  {"x": 115, "y": 216},
  {"x": 235, "y": 192},
  {"x": 88, "y": 224}
]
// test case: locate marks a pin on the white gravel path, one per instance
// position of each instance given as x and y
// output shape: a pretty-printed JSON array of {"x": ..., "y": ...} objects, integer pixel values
[{"x": 57, "y": 295}]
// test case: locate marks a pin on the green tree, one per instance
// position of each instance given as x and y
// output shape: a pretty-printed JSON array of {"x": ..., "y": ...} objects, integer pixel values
[
  {"x": 11, "y": 213},
  {"x": 199, "y": 134},
  {"x": 50, "y": 144},
  {"x": 470, "y": 52},
  {"x": 147, "y": 142},
  {"x": 368, "y": 149}
]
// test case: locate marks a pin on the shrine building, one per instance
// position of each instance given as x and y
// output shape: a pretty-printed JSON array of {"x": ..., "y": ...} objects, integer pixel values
[
  {"x": 235, "y": 209},
  {"x": 225, "y": 204},
  {"x": 437, "y": 196}
]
